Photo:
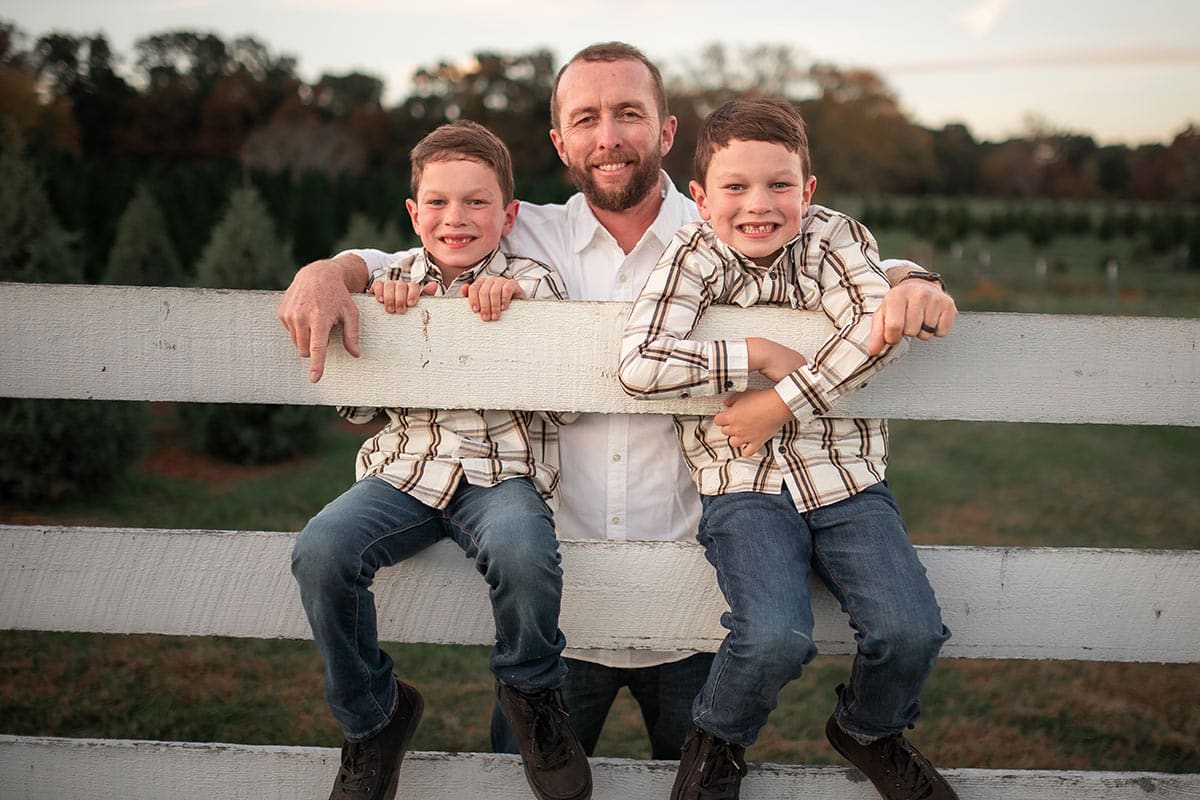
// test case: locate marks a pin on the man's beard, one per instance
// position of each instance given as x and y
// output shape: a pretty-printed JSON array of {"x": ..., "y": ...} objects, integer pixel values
[{"x": 639, "y": 186}]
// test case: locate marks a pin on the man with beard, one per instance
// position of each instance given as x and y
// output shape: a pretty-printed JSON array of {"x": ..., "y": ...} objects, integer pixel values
[{"x": 611, "y": 128}]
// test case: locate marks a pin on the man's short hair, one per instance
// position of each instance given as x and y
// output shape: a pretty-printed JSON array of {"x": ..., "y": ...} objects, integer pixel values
[
  {"x": 752, "y": 119},
  {"x": 464, "y": 141},
  {"x": 609, "y": 52}
]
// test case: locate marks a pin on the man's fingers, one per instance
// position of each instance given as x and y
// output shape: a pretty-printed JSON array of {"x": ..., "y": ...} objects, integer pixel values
[
  {"x": 316, "y": 363},
  {"x": 349, "y": 331},
  {"x": 875, "y": 339}
]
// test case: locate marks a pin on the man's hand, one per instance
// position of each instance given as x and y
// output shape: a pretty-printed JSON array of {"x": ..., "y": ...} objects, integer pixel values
[
  {"x": 752, "y": 418},
  {"x": 491, "y": 295},
  {"x": 771, "y": 359},
  {"x": 914, "y": 307},
  {"x": 398, "y": 296},
  {"x": 317, "y": 300}
]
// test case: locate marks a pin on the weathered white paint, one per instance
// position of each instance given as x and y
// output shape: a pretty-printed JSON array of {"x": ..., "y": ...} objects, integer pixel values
[
  {"x": 1033, "y": 603},
  {"x": 87, "y": 769},
  {"x": 227, "y": 346}
]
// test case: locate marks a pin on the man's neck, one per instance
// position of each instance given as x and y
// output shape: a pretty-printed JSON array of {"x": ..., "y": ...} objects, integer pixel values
[{"x": 628, "y": 226}]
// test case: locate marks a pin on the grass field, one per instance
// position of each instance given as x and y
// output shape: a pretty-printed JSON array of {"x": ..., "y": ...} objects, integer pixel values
[{"x": 961, "y": 483}]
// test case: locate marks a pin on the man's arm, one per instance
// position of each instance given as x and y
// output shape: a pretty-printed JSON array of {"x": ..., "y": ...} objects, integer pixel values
[{"x": 914, "y": 307}]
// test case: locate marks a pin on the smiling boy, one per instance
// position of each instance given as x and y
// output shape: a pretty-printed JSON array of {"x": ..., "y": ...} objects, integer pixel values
[
  {"x": 782, "y": 486},
  {"x": 479, "y": 477}
]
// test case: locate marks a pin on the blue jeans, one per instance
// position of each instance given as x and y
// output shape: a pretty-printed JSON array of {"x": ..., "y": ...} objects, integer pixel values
[
  {"x": 664, "y": 693},
  {"x": 509, "y": 532},
  {"x": 762, "y": 549}
]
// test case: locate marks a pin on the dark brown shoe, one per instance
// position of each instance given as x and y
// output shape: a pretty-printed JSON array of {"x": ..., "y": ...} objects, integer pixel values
[
  {"x": 371, "y": 769},
  {"x": 709, "y": 768},
  {"x": 897, "y": 769},
  {"x": 555, "y": 764}
]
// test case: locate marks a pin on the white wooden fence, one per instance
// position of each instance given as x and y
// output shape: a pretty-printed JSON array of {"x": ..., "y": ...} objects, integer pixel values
[{"x": 203, "y": 345}]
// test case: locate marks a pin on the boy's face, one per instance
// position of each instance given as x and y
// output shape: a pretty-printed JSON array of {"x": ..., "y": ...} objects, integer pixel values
[
  {"x": 610, "y": 136},
  {"x": 459, "y": 212},
  {"x": 755, "y": 196}
]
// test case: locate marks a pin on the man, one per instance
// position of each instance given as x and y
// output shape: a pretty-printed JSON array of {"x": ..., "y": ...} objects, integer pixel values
[{"x": 611, "y": 128}]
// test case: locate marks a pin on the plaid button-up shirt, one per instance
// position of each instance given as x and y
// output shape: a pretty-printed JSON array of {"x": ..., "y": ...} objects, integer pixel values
[
  {"x": 426, "y": 452},
  {"x": 832, "y": 265}
]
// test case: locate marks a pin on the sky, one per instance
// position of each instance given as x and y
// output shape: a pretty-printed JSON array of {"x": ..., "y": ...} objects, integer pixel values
[{"x": 1121, "y": 72}]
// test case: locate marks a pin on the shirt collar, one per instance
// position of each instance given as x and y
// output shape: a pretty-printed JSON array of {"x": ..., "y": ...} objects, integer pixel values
[
  {"x": 585, "y": 227},
  {"x": 424, "y": 268}
]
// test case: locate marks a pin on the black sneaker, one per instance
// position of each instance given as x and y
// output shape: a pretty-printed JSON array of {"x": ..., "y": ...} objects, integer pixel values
[
  {"x": 709, "y": 769},
  {"x": 897, "y": 769},
  {"x": 555, "y": 764},
  {"x": 371, "y": 769}
]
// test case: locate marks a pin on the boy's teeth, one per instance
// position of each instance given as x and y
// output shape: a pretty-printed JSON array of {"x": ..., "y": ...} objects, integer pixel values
[{"x": 758, "y": 228}]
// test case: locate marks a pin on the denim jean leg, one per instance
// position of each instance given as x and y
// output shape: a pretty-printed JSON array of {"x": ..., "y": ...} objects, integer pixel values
[
  {"x": 862, "y": 553},
  {"x": 665, "y": 694},
  {"x": 509, "y": 531},
  {"x": 761, "y": 550},
  {"x": 335, "y": 558}
]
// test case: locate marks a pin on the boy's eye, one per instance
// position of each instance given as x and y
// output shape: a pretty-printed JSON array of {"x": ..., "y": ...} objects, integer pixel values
[
  {"x": 734, "y": 187},
  {"x": 435, "y": 202},
  {"x": 477, "y": 202},
  {"x": 781, "y": 185}
]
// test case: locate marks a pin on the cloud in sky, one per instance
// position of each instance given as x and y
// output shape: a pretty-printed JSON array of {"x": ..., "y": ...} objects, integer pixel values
[{"x": 980, "y": 18}]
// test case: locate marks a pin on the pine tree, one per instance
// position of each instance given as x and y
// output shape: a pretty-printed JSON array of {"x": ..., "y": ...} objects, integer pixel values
[
  {"x": 245, "y": 253},
  {"x": 53, "y": 448},
  {"x": 34, "y": 246},
  {"x": 365, "y": 232},
  {"x": 143, "y": 254}
]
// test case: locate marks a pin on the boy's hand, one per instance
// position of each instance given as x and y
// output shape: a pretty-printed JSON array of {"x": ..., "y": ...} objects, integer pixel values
[
  {"x": 753, "y": 417},
  {"x": 771, "y": 359},
  {"x": 398, "y": 296},
  {"x": 491, "y": 295}
]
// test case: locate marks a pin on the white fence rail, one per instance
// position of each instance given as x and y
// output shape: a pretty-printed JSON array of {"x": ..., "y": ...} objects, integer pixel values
[{"x": 198, "y": 345}]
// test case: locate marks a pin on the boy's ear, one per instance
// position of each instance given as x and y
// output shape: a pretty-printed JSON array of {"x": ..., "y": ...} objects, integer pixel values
[
  {"x": 510, "y": 217},
  {"x": 411, "y": 205},
  {"x": 701, "y": 199}
]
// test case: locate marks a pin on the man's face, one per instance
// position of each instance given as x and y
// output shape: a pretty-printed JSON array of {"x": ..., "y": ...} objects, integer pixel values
[
  {"x": 609, "y": 135},
  {"x": 460, "y": 213},
  {"x": 755, "y": 195}
]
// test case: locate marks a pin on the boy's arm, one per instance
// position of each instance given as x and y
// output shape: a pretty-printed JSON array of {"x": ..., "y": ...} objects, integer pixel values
[
  {"x": 657, "y": 358},
  {"x": 522, "y": 279},
  {"x": 852, "y": 288}
]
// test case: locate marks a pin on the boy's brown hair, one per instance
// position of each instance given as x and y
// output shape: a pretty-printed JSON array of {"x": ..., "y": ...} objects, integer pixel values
[
  {"x": 752, "y": 119},
  {"x": 608, "y": 52},
  {"x": 464, "y": 141}
]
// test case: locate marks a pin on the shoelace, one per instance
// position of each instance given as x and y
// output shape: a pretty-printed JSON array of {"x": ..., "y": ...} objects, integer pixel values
[
  {"x": 549, "y": 719},
  {"x": 722, "y": 773},
  {"x": 914, "y": 774},
  {"x": 354, "y": 775}
]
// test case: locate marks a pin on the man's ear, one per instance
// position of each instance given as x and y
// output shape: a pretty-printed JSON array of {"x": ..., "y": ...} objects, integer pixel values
[
  {"x": 701, "y": 199},
  {"x": 667, "y": 134},
  {"x": 559, "y": 146}
]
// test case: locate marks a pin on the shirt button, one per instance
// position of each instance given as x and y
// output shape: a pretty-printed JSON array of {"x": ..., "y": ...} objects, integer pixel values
[
  {"x": 728, "y": 384},
  {"x": 684, "y": 394},
  {"x": 616, "y": 520},
  {"x": 782, "y": 450},
  {"x": 622, "y": 277},
  {"x": 616, "y": 456}
]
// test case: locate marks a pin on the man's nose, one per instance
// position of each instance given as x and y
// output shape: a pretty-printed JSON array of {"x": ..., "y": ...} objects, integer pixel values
[{"x": 609, "y": 133}]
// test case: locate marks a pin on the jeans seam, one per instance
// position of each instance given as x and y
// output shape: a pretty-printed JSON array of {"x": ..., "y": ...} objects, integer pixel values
[
  {"x": 860, "y": 628},
  {"x": 387, "y": 715}
]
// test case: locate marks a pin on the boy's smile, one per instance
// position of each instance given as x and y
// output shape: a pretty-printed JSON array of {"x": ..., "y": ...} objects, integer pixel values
[
  {"x": 460, "y": 214},
  {"x": 755, "y": 196}
]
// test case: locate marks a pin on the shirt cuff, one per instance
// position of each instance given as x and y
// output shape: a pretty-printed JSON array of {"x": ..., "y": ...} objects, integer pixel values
[
  {"x": 730, "y": 362},
  {"x": 804, "y": 394}
]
